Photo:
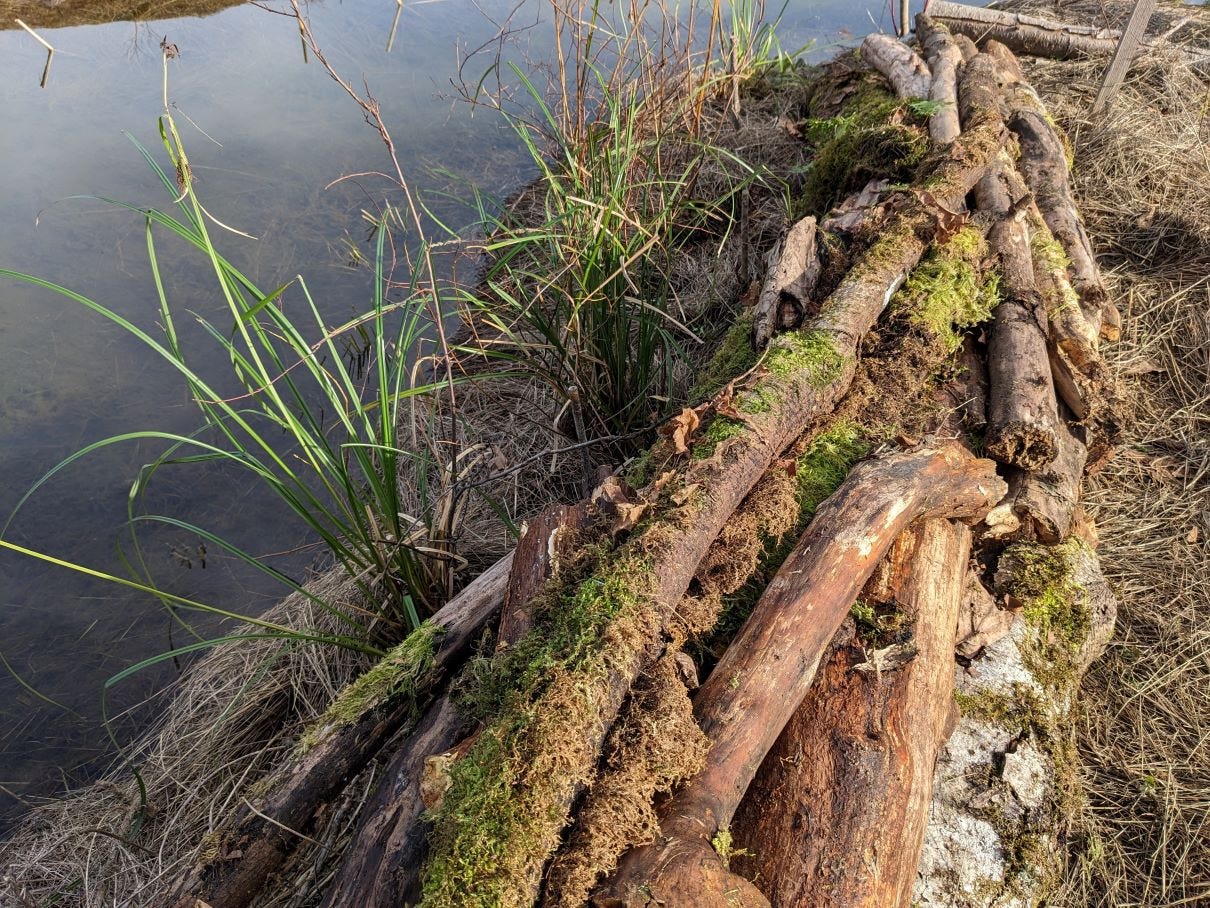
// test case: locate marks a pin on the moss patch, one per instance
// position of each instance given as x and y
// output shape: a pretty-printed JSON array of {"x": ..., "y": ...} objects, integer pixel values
[
  {"x": 948, "y": 290},
  {"x": 733, "y": 357},
  {"x": 812, "y": 352},
  {"x": 406, "y": 671}
]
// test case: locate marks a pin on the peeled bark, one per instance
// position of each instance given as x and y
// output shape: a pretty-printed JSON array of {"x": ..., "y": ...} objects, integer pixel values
[
  {"x": 262, "y": 838},
  {"x": 785, "y": 298},
  {"x": 837, "y": 813},
  {"x": 770, "y": 665},
  {"x": 904, "y": 70},
  {"x": 944, "y": 57}
]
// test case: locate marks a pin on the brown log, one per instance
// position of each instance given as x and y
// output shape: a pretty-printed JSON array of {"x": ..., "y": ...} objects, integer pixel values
[
  {"x": 770, "y": 665},
  {"x": 943, "y": 57},
  {"x": 837, "y": 812},
  {"x": 1045, "y": 501},
  {"x": 262, "y": 838},
  {"x": 906, "y": 72},
  {"x": 785, "y": 298},
  {"x": 965, "y": 45},
  {"x": 1022, "y": 419},
  {"x": 676, "y": 543}
]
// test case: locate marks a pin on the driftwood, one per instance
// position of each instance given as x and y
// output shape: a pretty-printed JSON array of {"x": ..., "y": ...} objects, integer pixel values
[
  {"x": 1024, "y": 34},
  {"x": 768, "y": 668},
  {"x": 785, "y": 297},
  {"x": 944, "y": 58},
  {"x": 262, "y": 838},
  {"x": 1022, "y": 417},
  {"x": 904, "y": 70},
  {"x": 837, "y": 813}
]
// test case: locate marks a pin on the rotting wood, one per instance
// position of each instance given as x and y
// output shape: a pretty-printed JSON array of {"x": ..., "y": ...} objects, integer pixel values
[
  {"x": 899, "y": 63},
  {"x": 262, "y": 837},
  {"x": 806, "y": 372},
  {"x": 943, "y": 57},
  {"x": 764, "y": 674},
  {"x": 1045, "y": 501},
  {"x": 837, "y": 813},
  {"x": 785, "y": 298},
  {"x": 1124, "y": 53},
  {"x": 1023, "y": 33},
  {"x": 1022, "y": 418}
]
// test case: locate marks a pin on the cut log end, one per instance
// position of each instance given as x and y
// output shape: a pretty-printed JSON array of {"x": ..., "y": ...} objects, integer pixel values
[{"x": 1029, "y": 446}]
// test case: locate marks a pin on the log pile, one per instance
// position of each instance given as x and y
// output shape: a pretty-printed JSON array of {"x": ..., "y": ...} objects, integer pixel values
[{"x": 577, "y": 759}]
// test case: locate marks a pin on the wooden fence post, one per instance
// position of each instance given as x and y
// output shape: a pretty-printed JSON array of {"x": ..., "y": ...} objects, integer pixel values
[{"x": 1123, "y": 56}]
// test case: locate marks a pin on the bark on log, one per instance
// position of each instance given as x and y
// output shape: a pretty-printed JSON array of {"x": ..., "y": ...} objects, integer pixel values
[
  {"x": 904, "y": 70},
  {"x": 770, "y": 665},
  {"x": 838, "y": 810},
  {"x": 944, "y": 58},
  {"x": 1022, "y": 412},
  {"x": 804, "y": 392},
  {"x": 262, "y": 838},
  {"x": 785, "y": 298}
]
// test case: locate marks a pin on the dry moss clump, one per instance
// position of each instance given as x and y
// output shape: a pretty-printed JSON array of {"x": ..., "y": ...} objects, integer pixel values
[{"x": 655, "y": 744}]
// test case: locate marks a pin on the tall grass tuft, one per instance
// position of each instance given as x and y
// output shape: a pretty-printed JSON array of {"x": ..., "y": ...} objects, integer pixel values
[
  {"x": 357, "y": 430},
  {"x": 580, "y": 285}
]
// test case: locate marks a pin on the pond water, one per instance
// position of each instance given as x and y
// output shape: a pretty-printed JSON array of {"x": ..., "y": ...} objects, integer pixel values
[{"x": 270, "y": 132}]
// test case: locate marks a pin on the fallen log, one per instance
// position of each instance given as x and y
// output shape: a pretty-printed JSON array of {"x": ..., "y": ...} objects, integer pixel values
[
  {"x": 906, "y": 72},
  {"x": 1025, "y": 34},
  {"x": 805, "y": 373},
  {"x": 1022, "y": 418},
  {"x": 1044, "y": 165},
  {"x": 837, "y": 813},
  {"x": 340, "y": 747},
  {"x": 943, "y": 57},
  {"x": 764, "y": 674},
  {"x": 785, "y": 298}
]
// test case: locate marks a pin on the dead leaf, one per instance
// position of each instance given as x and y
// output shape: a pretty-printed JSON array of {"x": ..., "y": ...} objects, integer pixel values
[
  {"x": 791, "y": 127},
  {"x": 680, "y": 429},
  {"x": 1193, "y": 536},
  {"x": 619, "y": 504},
  {"x": 660, "y": 481},
  {"x": 888, "y": 659},
  {"x": 680, "y": 496},
  {"x": 751, "y": 295},
  {"x": 686, "y": 668},
  {"x": 435, "y": 779},
  {"x": 1143, "y": 367},
  {"x": 948, "y": 222}
]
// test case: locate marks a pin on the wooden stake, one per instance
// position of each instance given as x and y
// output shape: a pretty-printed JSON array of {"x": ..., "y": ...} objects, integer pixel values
[{"x": 1123, "y": 55}]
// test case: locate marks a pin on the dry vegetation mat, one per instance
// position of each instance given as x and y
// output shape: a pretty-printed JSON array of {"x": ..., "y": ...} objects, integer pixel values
[{"x": 822, "y": 641}]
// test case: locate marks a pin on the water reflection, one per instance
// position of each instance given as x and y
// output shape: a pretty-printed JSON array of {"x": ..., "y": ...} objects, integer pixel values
[{"x": 270, "y": 132}]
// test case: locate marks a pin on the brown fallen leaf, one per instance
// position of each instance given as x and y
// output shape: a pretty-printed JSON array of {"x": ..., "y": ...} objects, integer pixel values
[
  {"x": 680, "y": 429},
  {"x": 621, "y": 505},
  {"x": 1193, "y": 536},
  {"x": 680, "y": 496},
  {"x": 981, "y": 622},
  {"x": 1143, "y": 367},
  {"x": 888, "y": 659}
]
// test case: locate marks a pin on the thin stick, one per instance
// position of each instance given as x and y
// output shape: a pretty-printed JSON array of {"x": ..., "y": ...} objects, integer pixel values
[
  {"x": 394, "y": 24},
  {"x": 35, "y": 35}
]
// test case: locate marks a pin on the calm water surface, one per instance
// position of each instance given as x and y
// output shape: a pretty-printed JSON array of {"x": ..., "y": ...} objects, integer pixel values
[{"x": 271, "y": 132}]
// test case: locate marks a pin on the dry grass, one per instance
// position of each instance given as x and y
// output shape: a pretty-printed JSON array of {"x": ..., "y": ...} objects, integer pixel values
[{"x": 1142, "y": 179}]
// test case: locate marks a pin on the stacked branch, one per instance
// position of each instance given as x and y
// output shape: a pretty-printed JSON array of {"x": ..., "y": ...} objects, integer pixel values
[{"x": 496, "y": 790}]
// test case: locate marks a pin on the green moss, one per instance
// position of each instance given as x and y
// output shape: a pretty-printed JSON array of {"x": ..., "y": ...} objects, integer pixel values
[
  {"x": 759, "y": 400},
  {"x": 1050, "y": 256},
  {"x": 1052, "y": 602},
  {"x": 812, "y": 352},
  {"x": 733, "y": 357},
  {"x": 638, "y": 471},
  {"x": 406, "y": 671},
  {"x": 541, "y": 700},
  {"x": 947, "y": 291},
  {"x": 721, "y": 429},
  {"x": 873, "y": 138}
]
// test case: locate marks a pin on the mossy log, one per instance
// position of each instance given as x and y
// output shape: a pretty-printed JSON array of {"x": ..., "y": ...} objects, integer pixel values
[
  {"x": 944, "y": 58},
  {"x": 836, "y": 815},
  {"x": 764, "y": 674},
  {"x": 1022, "y": 418},
  {"x": 785, "y": 297},
  {"x": 491, "y": 850},
  {"x": 363, "y": 718},
  {"x": 899, "y": 63}
]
